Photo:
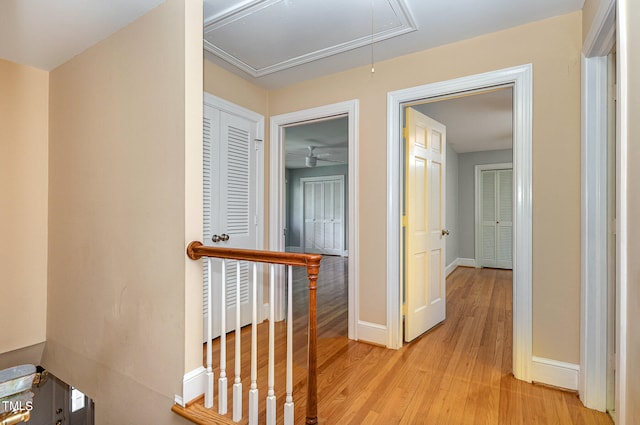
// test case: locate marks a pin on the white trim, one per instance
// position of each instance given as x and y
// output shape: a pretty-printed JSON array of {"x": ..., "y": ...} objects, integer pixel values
[
  {"x": 459, "y": 262},
  {"x": 277, "y": 198},
  {"x": 594, "y": 193},
  {"x": 622, "y": 187},
  {"x": 556, "y": 373},
  {"x": 521, "y": 79},
  {"x": 451, "y": 267},
  {"x": 194, "y": 384},
  {"x": 594, "y": 276},
  {"x": 467, "y": 262},
  {"x": 303, "y": 180},
  {"x": 372, "y": 332},
  {"x": 476, "y": 181},
  {"x": 602, "y": 35}
]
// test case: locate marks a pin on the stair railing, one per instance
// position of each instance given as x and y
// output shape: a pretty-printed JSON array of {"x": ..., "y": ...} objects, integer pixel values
[{"x": 195, "y": 251}]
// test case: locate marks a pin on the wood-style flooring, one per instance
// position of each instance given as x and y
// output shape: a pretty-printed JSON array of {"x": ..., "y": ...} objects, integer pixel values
[{"x": 458, "y": 373}]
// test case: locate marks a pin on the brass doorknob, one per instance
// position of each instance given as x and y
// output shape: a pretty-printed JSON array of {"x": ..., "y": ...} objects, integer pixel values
[{"x": 445, "y": 232}]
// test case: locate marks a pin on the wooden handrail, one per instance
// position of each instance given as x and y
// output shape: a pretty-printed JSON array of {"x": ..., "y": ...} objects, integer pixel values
[{"x": 197, "y": 250}]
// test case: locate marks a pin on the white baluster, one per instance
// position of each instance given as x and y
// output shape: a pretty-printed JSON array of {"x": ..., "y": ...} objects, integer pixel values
[
  {"x": 253, "y": 392},
  {"x": 222, "y": 381},
  {"x": 208, "y": 395},
  {"x": 288, "y": 405},
  {"x": 271, "y": 396},
  {"x": 237, "y": 383}
]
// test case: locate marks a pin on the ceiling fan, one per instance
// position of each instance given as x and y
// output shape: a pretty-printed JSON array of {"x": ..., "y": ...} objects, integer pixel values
[{"x": 311, "y": 160}]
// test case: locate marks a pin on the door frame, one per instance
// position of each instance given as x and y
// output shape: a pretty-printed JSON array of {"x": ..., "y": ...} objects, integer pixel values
[
  {"x": 303, "y": 180},
  {"x": 277, "y": 223},
  {"x": 594, "y": 232},
  {"x": 476, "y": 176},
  {"x": 231, "y": 108},
  {"x": 520, "y": 77}
]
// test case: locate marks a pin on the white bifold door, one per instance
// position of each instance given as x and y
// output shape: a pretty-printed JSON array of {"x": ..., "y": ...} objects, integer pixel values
[
  {"x": 323, "y": 214},
  {"x": 425, "y": 289},
  {"x": 230, "y": 207},
  {"x": 496, "y": 219}
]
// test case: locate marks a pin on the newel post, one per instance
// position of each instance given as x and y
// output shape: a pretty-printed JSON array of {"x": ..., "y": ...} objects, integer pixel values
[{"x": 313, "y": 268}]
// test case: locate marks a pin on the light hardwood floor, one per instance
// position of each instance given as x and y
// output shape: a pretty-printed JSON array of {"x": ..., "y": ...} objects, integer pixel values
[{"x": 459, "y": 373}]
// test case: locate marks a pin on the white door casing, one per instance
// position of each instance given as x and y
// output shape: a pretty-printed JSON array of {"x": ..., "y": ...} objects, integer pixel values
[
  {"x": 357, "y": 328},
  {"x": 233, "y": 200},
  {"x": 520, "y": 78},
  {"x": 598, "y": 43},
  {"x": 323, "y": 214},
  {"x": 425, "y": 246},
  {"x": 494, "y": 215}
]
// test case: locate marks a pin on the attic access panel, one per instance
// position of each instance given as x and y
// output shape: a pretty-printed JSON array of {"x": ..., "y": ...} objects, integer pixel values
[{"x": 265, "y": 36}]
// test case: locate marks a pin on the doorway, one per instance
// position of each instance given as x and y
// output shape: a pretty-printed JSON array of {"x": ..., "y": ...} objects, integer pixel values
[
  {"x": 520, "y": 78},
  {"x": 281, "y": 232},
  {"x": 476, "y": 140},
  {"x": 316, "y": 199}
]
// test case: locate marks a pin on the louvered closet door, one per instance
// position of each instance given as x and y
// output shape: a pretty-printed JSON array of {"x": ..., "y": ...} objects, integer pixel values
[
  {"x": 496, "y": 218},
  {"x": 230, "y": 203},
  {"x": 323, "y": 210}
]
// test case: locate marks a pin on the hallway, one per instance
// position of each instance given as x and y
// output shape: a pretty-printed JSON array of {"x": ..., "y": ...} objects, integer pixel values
[{"x": 459, "y": 373}]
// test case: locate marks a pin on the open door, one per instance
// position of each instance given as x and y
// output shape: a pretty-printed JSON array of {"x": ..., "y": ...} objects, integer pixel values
[{"x": 425, "y": 290}]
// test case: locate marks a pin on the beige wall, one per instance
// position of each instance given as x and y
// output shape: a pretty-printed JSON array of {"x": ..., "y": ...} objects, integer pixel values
[
  {"x": 120, "y": 114},
  {"x": 24, "y": 109},
  {"x": 222, "y": 83},
  {"x": 553, "y": 47},
  {"x": 632, "y": 55}
]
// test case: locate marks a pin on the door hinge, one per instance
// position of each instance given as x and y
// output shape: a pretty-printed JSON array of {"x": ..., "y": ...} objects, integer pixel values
[
  {"x": 405, "y": 133},
  {"x": 404, "y": 221}
]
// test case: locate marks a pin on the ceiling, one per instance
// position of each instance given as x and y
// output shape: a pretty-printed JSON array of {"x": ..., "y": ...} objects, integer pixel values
[
  {"x": 47, "y": 33},
  {"x": 271, "y": 42},
  {"x": 475, "y": 123},
  {"x": 329, "y": 139},
  {"x": 278, "y": 42}
]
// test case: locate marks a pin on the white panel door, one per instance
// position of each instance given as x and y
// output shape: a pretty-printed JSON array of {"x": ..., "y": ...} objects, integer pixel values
[
  {"x": 230, "y": 206},
  {"x": 425, "y": 289},
  {"x": 323, "y": 214},
  {"x": 496, "y": 218}
]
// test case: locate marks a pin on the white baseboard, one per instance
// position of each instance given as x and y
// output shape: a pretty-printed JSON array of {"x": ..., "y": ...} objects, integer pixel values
[
  {"x": 554, "y": 372},
  {"x": 293, "y": 249},
  {"x": 451, "y": 267},
  {"x": 194, "y": 384},
  {"x": 373, "y": 333},
  {"x": 467, "y": 262},
  {"x": 464, "y": 262}
]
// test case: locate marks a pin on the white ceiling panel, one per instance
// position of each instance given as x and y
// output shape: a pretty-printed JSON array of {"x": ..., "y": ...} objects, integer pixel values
[{"x": 265, "y": 36}]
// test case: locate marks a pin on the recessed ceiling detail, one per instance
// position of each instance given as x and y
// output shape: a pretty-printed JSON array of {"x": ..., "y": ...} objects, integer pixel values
[{"x": 298, "y": 31}]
